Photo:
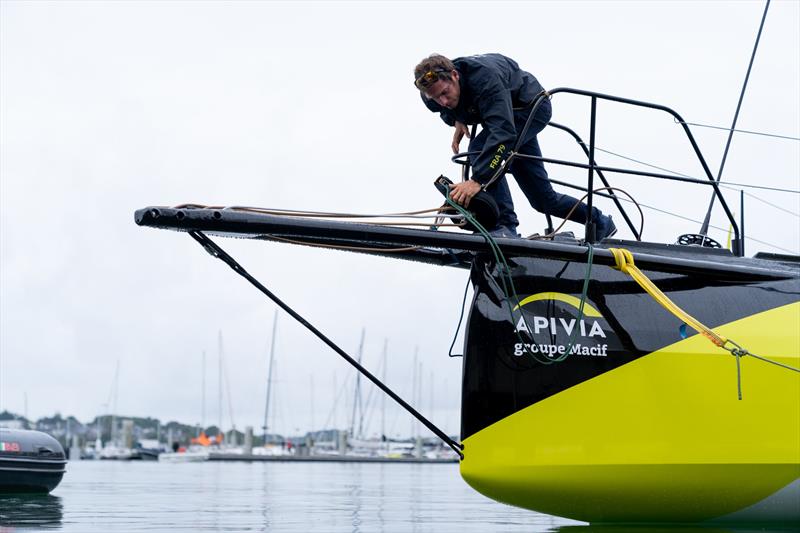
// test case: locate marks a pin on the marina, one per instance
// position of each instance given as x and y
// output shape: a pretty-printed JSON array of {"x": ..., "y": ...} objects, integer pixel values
[{"x": 260, "y": 272}]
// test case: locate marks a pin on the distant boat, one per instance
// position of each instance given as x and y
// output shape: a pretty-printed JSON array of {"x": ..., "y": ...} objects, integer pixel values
[
  {"x": 192, "y": 455},
  {"x": 147, "y": 450},
  {"x": 30, "y": 461}
]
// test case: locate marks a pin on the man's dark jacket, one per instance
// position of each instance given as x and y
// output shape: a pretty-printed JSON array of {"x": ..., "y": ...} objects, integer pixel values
[{"x": 492, "y": 85}]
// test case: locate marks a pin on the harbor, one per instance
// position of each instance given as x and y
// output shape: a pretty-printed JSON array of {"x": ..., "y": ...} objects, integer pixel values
[{"x": 322, "y": 266}]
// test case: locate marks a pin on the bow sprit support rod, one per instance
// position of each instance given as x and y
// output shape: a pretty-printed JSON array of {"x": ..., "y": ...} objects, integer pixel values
[{"x": 213, "y": 248}]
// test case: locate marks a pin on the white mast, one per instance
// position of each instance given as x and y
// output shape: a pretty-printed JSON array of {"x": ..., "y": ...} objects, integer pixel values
[
  {"x": 219, "y": 383},
  {"x": 269, "y": 374},
  {"x": 383, "y": 397},
  {"x": 203, "y": 396},
  {"x": 414, "y": 390},
  {"x": 114, "y": 397},
  {"x": 357, "y": 399},
  {"x": 311, "y": 389}
]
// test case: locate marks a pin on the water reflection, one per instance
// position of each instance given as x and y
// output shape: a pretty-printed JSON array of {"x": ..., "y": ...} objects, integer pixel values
[
  {"x": 31, "y": 510},
  {"x": 769, "y": 528}
]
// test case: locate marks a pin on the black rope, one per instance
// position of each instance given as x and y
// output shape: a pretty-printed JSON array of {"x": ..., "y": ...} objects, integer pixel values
[
  {"x": 213, "y": 248},
  {"x": 460, "y": 319}
]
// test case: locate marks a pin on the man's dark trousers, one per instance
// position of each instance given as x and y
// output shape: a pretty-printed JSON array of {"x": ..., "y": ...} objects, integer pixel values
[{"x": 531, "y": 176}]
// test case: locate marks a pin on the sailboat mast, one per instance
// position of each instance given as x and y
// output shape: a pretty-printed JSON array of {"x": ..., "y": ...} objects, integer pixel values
[
  {"x": 357, "y": 398},
  {"x": 232, "y": 421},
  {"x": 269, "y": 374},
  {"x": 219, "y": 382},
  {"x": 414, "y": 390},
  {"x": 114, "y": 397},
  {"x": 383, "y": 396},
  {"x": 311, "y": 390},
  {"x": 419, "y": 398},
  {"x": 203, "y": 396},
  {"x": 432, "y": 405}
]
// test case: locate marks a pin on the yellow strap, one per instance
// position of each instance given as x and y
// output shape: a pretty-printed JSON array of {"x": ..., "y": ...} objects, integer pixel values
[{"x": 624, "y": 260}]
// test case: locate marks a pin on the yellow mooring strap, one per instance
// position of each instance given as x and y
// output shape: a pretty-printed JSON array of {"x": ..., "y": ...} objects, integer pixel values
[{"x": 624, "y": 259}]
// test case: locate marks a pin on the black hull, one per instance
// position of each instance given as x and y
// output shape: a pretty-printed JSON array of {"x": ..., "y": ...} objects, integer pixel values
[
  {"x": 30, "y": 462},
  {"x": 30, "y": 475},
  {"x": 29, "y": 481}
]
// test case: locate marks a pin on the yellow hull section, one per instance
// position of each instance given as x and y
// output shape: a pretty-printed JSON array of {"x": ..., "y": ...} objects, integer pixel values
[{"x": 661, "y": 439}]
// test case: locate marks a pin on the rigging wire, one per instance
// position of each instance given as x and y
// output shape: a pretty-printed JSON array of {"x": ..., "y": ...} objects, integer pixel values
[
  {"x": 680, "y": 174},
  {"x": 753, "y": 196},
  {"x": 727, "y": 185},
  {"x": 749, "y": 132}
]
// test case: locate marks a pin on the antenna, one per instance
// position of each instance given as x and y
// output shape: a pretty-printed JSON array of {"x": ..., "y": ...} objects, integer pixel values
[{"x": 707, "y": 219}]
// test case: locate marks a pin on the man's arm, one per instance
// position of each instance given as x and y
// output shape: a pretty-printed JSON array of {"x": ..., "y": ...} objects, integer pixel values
[
  {"x": 461, "y": 130},
  {"x": 494, "y": 104}
]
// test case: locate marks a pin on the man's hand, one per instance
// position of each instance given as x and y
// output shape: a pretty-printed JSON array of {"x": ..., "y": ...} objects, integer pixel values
[
  {"x": 462, "y": 193},
  {"x": 461, "y": 130}
]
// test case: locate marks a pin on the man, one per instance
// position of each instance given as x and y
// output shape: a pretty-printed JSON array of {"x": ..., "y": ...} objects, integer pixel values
[{"x": 491, "y": 90}]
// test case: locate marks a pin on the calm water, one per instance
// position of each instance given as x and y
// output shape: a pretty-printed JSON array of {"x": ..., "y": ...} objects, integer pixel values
[
  {"x": 149, "y": 496},
  {"x": 328, "y": 497}
]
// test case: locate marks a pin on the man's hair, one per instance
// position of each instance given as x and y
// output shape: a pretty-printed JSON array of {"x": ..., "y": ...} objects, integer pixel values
[{"x": 433, "y": 68}]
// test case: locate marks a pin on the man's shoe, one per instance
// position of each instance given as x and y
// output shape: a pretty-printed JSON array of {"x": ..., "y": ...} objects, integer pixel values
[
  {"x": 605, "y": 228},
  {"x": 504, "y": 232}
]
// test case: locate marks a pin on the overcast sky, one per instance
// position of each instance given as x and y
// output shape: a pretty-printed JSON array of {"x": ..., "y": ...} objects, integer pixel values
[{"x": 109, "y": 107}]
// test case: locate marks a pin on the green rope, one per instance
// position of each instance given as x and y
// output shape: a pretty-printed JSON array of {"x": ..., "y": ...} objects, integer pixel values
[
  {"x": 505, "y": 274},
  {"x": 584, "y": 293}
]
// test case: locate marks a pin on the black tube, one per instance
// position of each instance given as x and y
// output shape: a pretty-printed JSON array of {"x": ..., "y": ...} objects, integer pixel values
[
  {"x": 741, "y": 218},
  {"x": 348, "y": 233},
  {"x": 590, "y": 223}
]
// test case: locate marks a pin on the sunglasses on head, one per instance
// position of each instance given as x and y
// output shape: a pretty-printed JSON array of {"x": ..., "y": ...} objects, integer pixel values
[{"x": 429, "y": 78}]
